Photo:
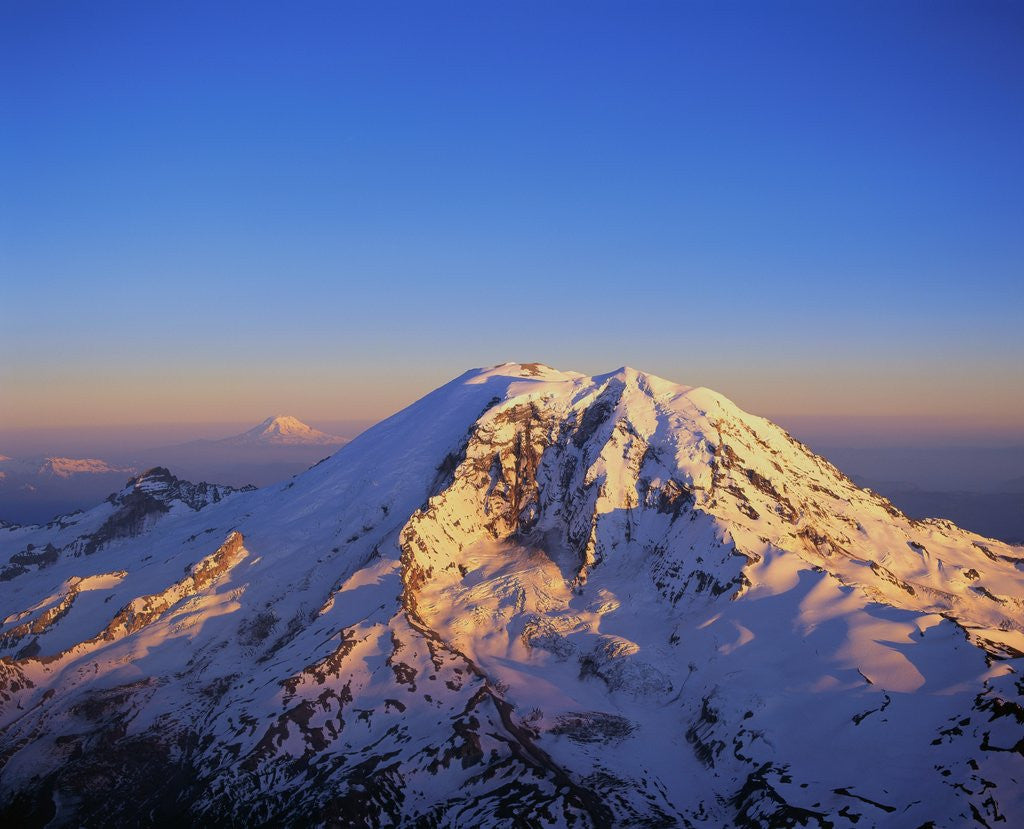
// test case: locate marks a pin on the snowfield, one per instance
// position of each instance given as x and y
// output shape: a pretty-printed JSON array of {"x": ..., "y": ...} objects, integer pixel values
[{"x": 531, "y": 598}]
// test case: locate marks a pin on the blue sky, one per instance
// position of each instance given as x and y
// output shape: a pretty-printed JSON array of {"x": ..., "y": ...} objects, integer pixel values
[{"x": 218, "y": 211}]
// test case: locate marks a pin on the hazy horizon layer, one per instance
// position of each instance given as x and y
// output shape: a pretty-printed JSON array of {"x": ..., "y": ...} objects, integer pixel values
[
  {"x": 120, "y": 438},
  {"x": 927, "y": 453},
  {"x": 927, "y": 467},
  {"x": 939, "y": 430}
]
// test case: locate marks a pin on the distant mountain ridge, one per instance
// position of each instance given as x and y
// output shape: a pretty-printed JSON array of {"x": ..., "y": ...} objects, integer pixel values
[
  {"x": 58, "y": 467},
  {"x": 35, "y": 489}
]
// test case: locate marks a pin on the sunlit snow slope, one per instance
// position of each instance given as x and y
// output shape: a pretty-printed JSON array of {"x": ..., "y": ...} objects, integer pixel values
[{"x": 531, "y": 598}]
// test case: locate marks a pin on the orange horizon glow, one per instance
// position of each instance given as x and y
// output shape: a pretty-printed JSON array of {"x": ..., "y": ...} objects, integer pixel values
[{"x": 881, "y": 403}]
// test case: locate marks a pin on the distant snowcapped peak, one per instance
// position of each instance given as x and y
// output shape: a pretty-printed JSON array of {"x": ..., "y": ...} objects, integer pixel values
[
  {"x": 285, "y": 430},
  {"x": 284, "y": 424}
]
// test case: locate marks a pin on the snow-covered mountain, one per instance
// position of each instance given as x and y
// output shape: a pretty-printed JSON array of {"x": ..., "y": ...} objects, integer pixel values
[
  {"x": 283, "y": 430},
  {"x": 531, "y": 598}
]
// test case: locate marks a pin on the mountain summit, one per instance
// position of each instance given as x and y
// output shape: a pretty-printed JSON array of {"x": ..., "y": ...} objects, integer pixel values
[
  {"x": 531, "y": 598},
  {"x": 283, "y": 430}
]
